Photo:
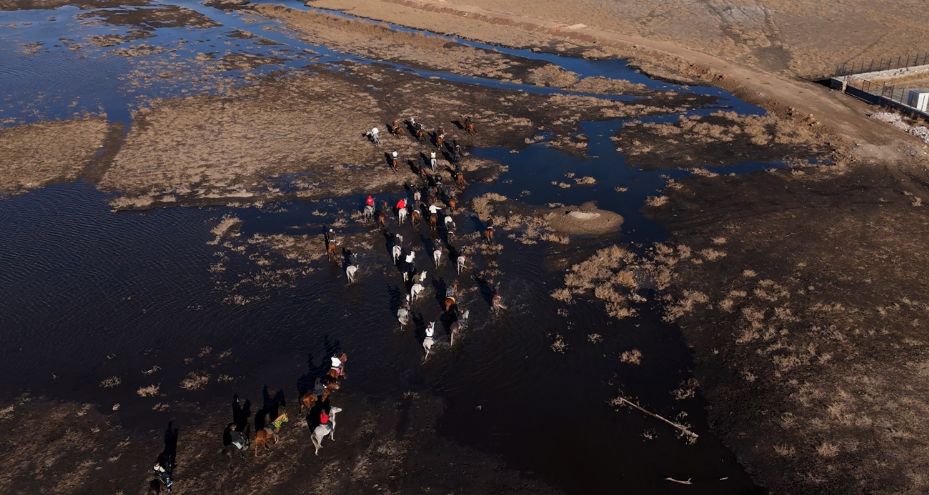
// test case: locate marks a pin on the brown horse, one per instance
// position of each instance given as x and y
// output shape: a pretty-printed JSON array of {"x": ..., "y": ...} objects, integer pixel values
[
  {"x": 449, "y": 304},
  {"x": 439, "y": 140},
  {"x": 381, "y": 218},
  {"x": 416, "y": 217},
  {"x": 433, "y": 221},
  {"x": 420, "y": 134},
  {"x": 489, "y": 233},
  {"x": 263, "y": 438},
  {"x": 459, "y": 179},
  {"x": 395, "y": 127},
  {"x": 332, "y": 250},
  {"x": 452, "y": 203},
  {"x": 469, "y": 126},
  {"x": 307, "y": 401}
]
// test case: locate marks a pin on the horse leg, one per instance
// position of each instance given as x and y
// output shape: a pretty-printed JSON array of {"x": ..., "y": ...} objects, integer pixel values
[{"x": 315, "y": 443}]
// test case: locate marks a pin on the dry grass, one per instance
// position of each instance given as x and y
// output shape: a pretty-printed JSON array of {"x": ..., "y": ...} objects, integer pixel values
[{"x": 34, "y": 155}]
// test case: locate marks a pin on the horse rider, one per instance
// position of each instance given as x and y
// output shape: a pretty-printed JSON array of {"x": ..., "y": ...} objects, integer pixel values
[
  {"x": 337, "y": 364},
  {"x": 369, "y": 201}
]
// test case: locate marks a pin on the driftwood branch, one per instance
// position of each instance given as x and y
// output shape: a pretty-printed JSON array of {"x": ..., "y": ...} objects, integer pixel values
[
  {"x": 679, "y": 482},
  {"x": 683, "y": 429}
]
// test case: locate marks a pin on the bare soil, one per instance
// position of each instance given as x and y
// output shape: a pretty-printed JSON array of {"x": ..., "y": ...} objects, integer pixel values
[
  {"x": 808, "y": 314},
  {"x": 34, "y": 155}
]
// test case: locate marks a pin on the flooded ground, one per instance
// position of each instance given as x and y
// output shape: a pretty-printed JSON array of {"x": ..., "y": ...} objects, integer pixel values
[{"x": 116, "y": 322}]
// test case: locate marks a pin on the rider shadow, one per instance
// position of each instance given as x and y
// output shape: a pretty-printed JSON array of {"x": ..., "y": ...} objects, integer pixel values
[
  {"x": 307, "y": 381},
  {"x": 271, "y": 408},
  {"x": 419, "y": 327}
]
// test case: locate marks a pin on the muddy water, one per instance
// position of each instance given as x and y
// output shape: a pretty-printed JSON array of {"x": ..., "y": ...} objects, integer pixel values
[{"x": 86, "y": 294}]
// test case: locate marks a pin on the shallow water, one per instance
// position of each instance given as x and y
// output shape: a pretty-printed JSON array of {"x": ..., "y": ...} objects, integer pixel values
[{"x": 86, "y": 293}]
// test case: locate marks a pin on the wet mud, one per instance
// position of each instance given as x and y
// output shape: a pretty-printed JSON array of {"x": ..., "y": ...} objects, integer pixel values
[{"x": 798, "y": 319}]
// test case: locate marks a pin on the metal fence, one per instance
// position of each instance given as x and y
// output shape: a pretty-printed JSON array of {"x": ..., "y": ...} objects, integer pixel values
[
  {"x": 883, "y": 63},
  {"x": 883, "y": 95}
]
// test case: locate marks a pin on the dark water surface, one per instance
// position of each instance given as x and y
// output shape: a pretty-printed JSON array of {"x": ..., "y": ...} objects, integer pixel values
[{"x": 86, "y": 293}]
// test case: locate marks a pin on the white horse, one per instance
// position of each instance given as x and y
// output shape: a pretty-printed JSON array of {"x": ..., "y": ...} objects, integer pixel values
[
  {"x": 462, "y": 263},
  {"x": 437, "y": 256},
  {"x": 321, "y": 431},
  {"x": 429, "y": 341},
  {"x": 350, "y": 273},
  {"x": 458, "y": 326},
  {"x": 403, "y": 314},
  {"x": 415, "y": 291},
  {"x": 397, "y": 251},
  {"x": 449, "y": 223},
  {"x": 401, "y": 214},
  {"x": 422, "y": 276},
  {"x": 368, "y": 213}
]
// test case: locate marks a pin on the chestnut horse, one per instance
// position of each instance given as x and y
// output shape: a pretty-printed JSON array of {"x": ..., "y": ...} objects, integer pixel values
[{"x": 489, "y": 233}]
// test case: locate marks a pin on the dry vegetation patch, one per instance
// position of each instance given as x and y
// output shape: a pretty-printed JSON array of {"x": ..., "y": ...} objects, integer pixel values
[
  {"x": 722, "y": 138},
  {"x": 34, "y": 155}
]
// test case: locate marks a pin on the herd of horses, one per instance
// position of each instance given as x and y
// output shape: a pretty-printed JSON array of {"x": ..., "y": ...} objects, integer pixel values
[{"x": 431, "y": 199}]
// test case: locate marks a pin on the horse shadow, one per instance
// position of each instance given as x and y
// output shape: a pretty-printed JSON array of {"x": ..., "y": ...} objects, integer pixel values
[
  {"x": 485, "y": 289},
  {"x": 458, "y": 123}
]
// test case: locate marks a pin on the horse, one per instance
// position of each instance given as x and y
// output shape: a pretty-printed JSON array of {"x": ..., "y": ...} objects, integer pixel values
[
  {"x": 448, "y": 304},
  {"x": 396, "y": 251},
  {"x": 368, "y": 213},
  {"x": 433, "y": 221},
  {"x": 264, "y": 436},
  {"x": 489, "y": 234},
  {"x": 321, "y": 431},
  {"x": 332, "y": 250},
  {"x": 307, "y": 401},
  {"x": 403, "y": 314},
  {"x": 420, "y": 133},
  {"x": 458, "y": 326},
  {"x": 429, "y": 341},
  {"x": 381, "y": 219},
  {"x": 439, "y": 140},
  {"x": 415, "y": 217},
  {"x": 395, "y": 127},
  {"x": 421, "y": 277},
  {"x": 415, "y": 291},
  {"x": 452, "y": 203},
  {"x": 449, "y": 224},
  {"x": 461, "y": 263},
  {"x": 459, "y": 179},
  {"x": 469, "y": 126},
  {"x": 401, "y": 214},
  {"x": 350, "y": 271},
  {"x": 437, "y": 255},
  {"x": 496, "y": 303}
]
